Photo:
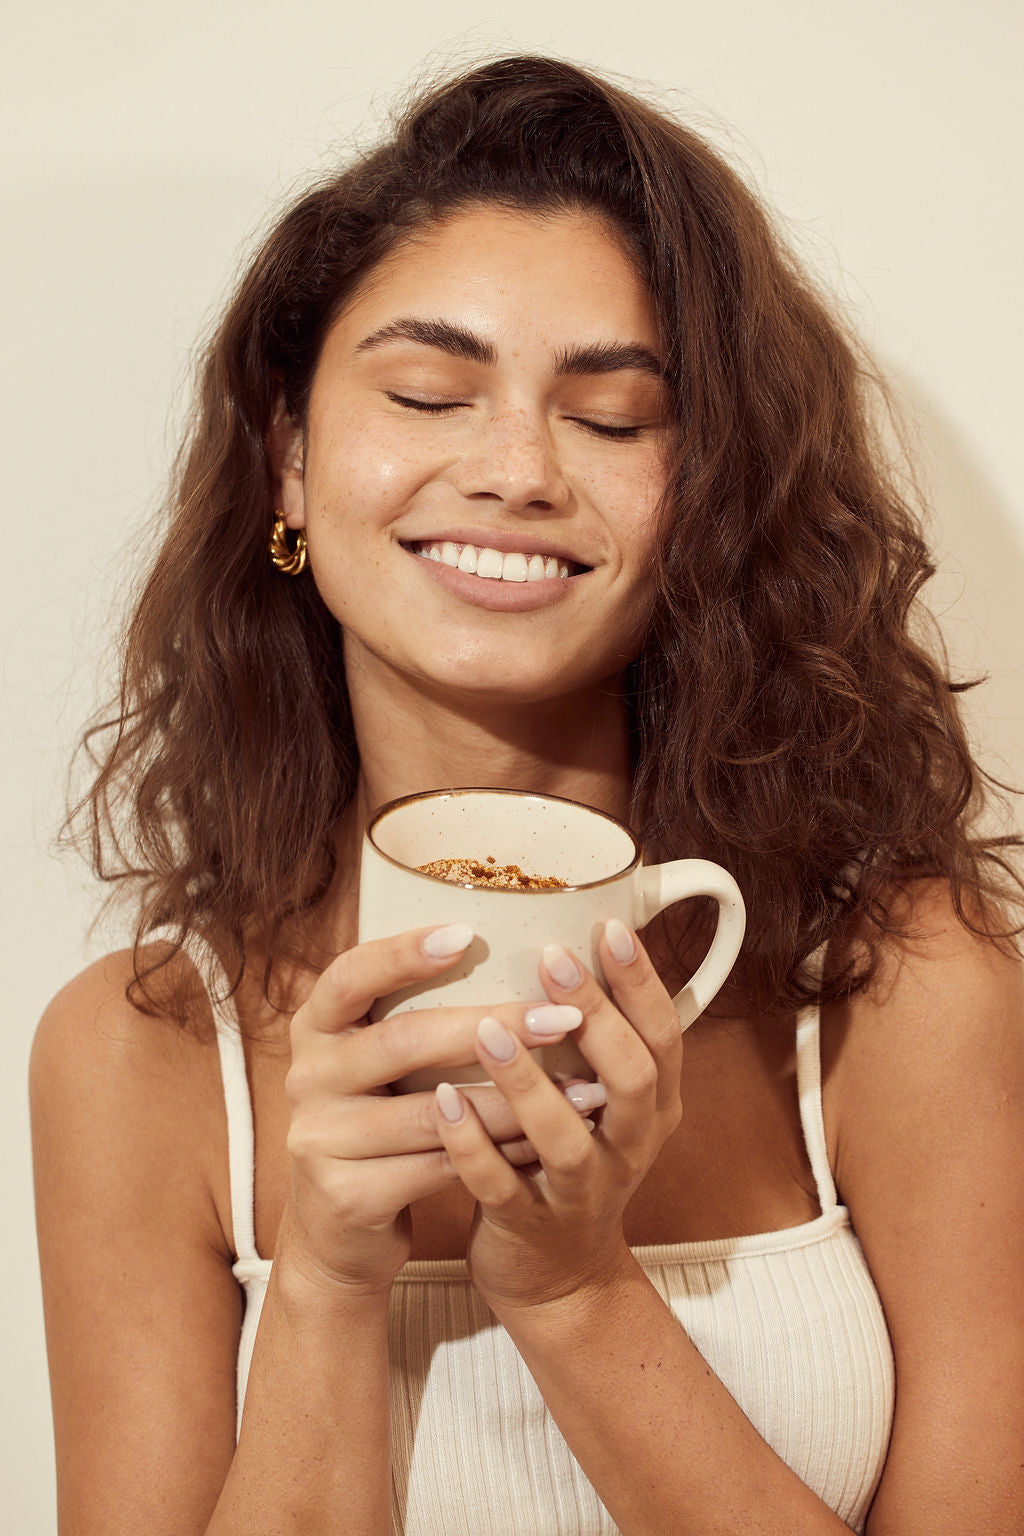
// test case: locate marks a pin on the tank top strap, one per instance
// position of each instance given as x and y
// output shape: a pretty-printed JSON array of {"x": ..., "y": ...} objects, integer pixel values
[
  {"x": 237, "y": 1102},
  {"x": 812, "y": 1120}
]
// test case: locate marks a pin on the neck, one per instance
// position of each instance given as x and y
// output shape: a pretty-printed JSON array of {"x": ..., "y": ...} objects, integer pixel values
[{"x": 413, "y": 739}]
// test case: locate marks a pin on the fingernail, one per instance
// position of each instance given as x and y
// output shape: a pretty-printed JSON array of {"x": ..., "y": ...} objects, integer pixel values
[
  {"x": 449, "y": 1102},
  {"x": 561, "y": 967},
  {"x": 619, "y": 940},
  {"x": 442, "y": 943},
  {"x": 495, "y": 1039},
  {"x": 552, "y": 1019},
  {"x": 586, "y": 1096}
]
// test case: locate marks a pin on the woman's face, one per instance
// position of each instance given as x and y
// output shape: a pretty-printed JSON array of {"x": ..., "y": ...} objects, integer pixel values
[{"x": 484, "y": 458}]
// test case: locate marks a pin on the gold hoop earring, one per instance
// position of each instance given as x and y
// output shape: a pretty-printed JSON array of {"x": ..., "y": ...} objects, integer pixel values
[{"x": 290, "y": 561}]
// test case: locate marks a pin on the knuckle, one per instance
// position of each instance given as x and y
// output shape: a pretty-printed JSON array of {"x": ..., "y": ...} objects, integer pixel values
[
  {"x": 664, "y": 1034},
  {"x": 347, "y": 1196},
  {"x": 576, "y": 1155},
  {"x": 640, "y": 1079},
  {"x": 299, "y": 1080},
  {"x": 339, "y": 983},
  {"x": 425, "y": 1118},
  {"x": 302, "y": 1142},
  {"x": 505, "y": 1195},
  {"x": 673, "y": 1116},
  {"x": 590, "y": 999},
  {"x": 521, "y": 1075}
]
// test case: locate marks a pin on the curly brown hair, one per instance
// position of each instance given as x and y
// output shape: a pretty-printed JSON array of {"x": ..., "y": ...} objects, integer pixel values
[{"x": 786, "y": 721}]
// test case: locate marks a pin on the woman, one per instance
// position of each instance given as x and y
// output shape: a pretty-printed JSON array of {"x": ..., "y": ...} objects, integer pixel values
[{"x": 548, "y": 323}]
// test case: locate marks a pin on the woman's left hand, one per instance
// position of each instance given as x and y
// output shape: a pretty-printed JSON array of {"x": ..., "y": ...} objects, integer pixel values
[{"x": 557, "y": 1227}]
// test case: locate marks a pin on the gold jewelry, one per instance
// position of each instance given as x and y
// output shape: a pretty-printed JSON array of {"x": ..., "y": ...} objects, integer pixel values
[{"x": 291, "y": 561}]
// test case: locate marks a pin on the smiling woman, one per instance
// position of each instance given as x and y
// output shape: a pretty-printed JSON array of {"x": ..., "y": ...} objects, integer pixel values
[
  {"x": 525, "y": 457},
  {"x": 495, "y": 390}
]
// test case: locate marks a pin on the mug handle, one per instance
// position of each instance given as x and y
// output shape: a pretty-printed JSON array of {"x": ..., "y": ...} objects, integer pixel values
[{"x": 662, "y": 884}]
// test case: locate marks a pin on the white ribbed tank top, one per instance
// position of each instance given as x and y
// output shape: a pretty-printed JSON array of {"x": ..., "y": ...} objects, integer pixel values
[{"x": 790, "y": 1321}]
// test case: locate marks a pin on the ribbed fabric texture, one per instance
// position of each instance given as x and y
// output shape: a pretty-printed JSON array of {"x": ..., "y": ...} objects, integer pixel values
[{"x": 790, "y": 1321}]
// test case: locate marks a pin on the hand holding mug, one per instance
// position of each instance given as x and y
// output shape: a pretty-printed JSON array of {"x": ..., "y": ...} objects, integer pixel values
[{"x": 594, "y": 854}]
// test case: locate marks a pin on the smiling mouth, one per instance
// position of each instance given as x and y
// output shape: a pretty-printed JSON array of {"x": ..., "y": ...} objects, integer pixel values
[{"x": 493, "y": 564}]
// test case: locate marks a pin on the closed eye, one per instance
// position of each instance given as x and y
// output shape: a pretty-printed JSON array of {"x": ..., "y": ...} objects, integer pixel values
[
  {"x": 432, "y": 407},
  {"x": 442, "y": 407},
  {"x": 600, "y": 430}
]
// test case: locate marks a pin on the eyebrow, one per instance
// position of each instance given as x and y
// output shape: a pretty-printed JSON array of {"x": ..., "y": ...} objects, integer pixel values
[{"x": 598, "y": 357}]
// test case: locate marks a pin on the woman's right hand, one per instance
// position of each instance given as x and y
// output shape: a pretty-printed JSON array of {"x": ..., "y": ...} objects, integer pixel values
[{"x": 359, "y": 1154}]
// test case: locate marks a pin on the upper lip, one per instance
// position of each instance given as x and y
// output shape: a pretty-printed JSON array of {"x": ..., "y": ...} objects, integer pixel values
[{"x": 505, "y": 542}]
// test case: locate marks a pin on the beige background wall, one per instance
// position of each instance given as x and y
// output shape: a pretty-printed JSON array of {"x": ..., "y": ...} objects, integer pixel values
[{"x": 143, "y": 146}]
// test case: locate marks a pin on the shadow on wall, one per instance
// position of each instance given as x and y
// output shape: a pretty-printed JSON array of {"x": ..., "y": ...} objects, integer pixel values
[{"x": 977, "y": 594}]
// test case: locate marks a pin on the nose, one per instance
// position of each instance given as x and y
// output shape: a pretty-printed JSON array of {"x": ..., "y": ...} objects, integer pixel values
[{"x": 513, "y": 460}]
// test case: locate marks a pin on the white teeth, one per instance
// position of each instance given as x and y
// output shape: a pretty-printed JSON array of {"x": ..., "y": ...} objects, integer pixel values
[{"x": 491, "y": 564}]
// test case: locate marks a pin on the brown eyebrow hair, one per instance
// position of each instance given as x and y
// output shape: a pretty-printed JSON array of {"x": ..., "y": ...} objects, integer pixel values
[{"x": 598, "y": 357}]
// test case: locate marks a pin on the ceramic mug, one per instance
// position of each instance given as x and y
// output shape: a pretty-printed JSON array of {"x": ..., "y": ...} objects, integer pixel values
[{"x": 597, "y": 857}]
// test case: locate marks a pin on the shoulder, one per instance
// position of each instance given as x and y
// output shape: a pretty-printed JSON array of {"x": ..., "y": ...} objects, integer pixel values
[
  {"x": 924, "y": 1103},
  {"x": 91, "y": 1035},
  {"x": 112, "y": 1087},
  {"x": 133, "y": 1220},
  {"x": 939, "y": 1032},
  {"x": 934, "y": 1045}
]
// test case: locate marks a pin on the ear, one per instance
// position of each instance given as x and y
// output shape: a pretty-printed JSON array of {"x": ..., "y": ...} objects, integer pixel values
[{"x": 286, "y": 450}]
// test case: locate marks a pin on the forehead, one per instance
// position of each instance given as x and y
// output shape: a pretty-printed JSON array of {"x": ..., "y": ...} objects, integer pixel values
[{"x": 510, "y": 271}]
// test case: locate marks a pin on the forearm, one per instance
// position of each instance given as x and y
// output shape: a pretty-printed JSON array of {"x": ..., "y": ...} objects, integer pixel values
[
  {"x": 659, "y": 1436},
  {"x": 314, "y": 1451}
]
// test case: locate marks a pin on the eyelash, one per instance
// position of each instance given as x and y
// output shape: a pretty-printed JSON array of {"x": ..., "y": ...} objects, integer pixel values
[{"x": 431, "y": 408}]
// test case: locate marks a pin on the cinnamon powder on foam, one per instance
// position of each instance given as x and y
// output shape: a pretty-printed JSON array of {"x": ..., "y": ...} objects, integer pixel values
[{"x": 507, "y": 877}]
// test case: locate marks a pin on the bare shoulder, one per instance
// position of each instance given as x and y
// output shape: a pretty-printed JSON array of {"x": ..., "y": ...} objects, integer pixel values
[
  {"x": 924, "y": 1105},
  {"x": 142, "y": 1310},
  {"x": 108, "y": 1073},
  {"x": 941, "y": 1023}
]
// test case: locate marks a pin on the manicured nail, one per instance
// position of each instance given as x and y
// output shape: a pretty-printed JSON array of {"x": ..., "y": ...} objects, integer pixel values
[
  {"x": 586, "y": 1096},
  {"x": 619, "y": 940},
  {"x": 552, "y": 1019},
  {"x": 495, "y": 1039},
  {"x": 442, "y": 943},
  {"x": 449, "y": 1102},
  {"x": 561, "y": 967}
]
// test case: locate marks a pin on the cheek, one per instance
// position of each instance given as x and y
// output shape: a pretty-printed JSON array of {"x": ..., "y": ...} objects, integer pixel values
[{"x": 360, "y": 473}]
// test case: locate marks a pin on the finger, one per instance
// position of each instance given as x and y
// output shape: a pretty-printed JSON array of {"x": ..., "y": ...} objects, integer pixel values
[
  {"x": 344, "y": 993},
  {"x": 363, "y": 1127},
  {"x": 373, "y": 1191},
  {"x": 475, "y": 1160},
  {"x": 638, "y": 1082},
  {"x": 521, "y": 1154},
  {"x": 359, "y": 1061},
  {"x": 564, "y": 1145},
  {"x": 642, "y": 998}
]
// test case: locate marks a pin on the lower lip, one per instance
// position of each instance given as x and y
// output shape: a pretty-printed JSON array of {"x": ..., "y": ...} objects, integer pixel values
[{"x": 499, "y": 596}]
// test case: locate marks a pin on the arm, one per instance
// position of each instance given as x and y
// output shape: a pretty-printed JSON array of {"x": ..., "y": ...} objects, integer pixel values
[
  {"x": 925, "y": 1098},
  {"x": 664, "y": 1444},
  {"x": 142, "y": 1310}
]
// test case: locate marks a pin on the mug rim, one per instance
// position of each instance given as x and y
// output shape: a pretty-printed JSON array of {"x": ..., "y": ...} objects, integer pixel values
[{"x": 522, "y": 794}]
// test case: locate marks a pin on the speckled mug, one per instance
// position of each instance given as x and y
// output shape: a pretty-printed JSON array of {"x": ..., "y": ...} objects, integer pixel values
[{"x": 605, "y": 877}]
